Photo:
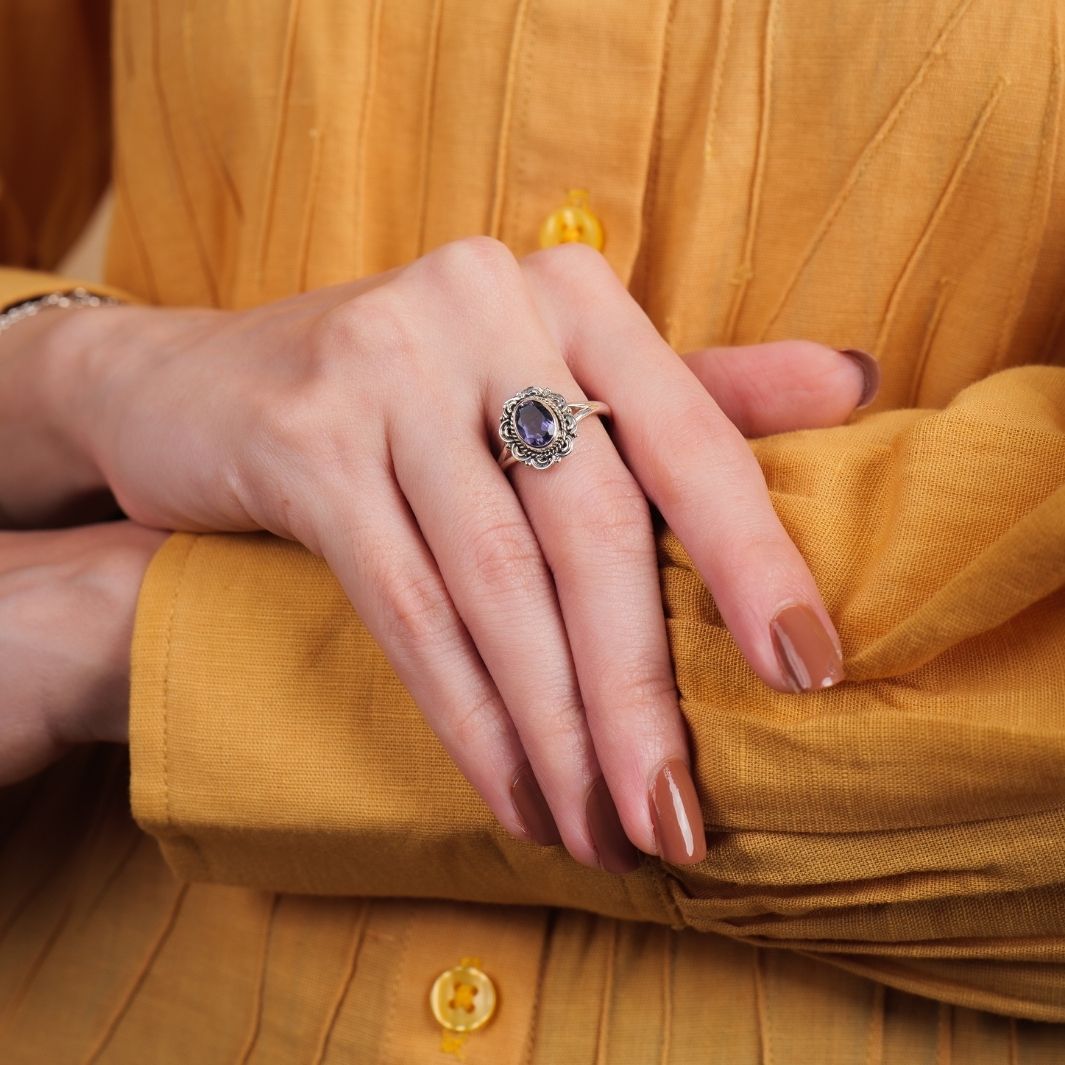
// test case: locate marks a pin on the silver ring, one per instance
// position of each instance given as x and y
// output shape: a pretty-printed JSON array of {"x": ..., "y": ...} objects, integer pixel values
[{"x": 538, "y": 427}]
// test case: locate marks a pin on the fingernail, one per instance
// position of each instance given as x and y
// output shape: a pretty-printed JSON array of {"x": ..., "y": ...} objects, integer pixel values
[
  {"x": 807, "y": 653},
  {"x": 870, "y": 371},
  {"x": 532, "y": 808},
  {"x": 677, "y": 818},
  {"x": 615, "y": 850}
]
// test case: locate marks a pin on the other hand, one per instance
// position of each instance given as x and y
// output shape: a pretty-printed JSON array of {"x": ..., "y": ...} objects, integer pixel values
[{"x": 67, "y": 603}]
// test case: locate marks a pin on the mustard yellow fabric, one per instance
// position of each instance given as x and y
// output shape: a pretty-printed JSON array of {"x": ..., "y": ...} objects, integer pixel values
[
  {"x": 885, "y": 176},
  {"x": 55, "y": 124}
]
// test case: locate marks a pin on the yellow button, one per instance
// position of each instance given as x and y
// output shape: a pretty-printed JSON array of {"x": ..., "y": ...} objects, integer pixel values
[
  {"x": 463, "y": 998},
  {"x": 573, "y": 222}
]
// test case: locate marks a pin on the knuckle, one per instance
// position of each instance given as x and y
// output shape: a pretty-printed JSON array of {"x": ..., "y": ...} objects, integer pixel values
[
  {"x": 642, "y": 712},
  {"x": 634, "y": 692},
  {"x": 375, "y": 327},
  {"x": 505, "y": 557},
  {"x": 622, "y": 513},
  {"x": 477, "y": 263},
  {"x": 419, "y": 611},
  {"x": 757, "y": 549},
  {"x": 756, "y": 556},
  {"x": 699, "y": 425},
  {"x": 476, "y": 725},
  {"x": 560, "y": 724},
  {"x": 679, "y": 470},
  {"x": 569, "y": 264},
  {"x": 613, "y": 527},
  {"x": 649, "y": 685},
  {"x": 351, "y": 356}
]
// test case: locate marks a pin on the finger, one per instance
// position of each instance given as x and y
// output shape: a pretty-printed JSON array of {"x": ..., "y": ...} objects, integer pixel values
[
  {"x": 477, "y": 532},
  {"x": 492, "y": 565},
  {"x": 395, "y": 586},
  {"x": 786, "y": 384},
  {"x": 594, "y": 526},
  {"x": 696, "y": 467}
]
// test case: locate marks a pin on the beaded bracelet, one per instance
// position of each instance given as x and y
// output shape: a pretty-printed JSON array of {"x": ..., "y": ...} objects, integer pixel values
[{"x": 77, "y": 297}]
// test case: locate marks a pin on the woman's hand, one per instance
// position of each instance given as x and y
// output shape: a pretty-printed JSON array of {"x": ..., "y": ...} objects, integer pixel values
[
  {"x": 67, "y": 601},
  {"x": 522, "y": 610}
]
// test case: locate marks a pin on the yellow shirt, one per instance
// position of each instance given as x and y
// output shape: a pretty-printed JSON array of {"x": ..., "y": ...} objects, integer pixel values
[{"x": 889, "y": 177}]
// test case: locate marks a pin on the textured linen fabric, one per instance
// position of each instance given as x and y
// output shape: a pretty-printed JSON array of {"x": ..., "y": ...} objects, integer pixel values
[
  {"x": 105, "y": 957},
  {"x": 886, "y": 176}
]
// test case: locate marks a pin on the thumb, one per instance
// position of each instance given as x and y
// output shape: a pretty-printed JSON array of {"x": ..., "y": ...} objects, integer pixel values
[{"x": 786, "y": 384}]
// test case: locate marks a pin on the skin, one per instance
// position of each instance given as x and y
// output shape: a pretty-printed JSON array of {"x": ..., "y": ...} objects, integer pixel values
[
  {"x": 67, "y": 601},
  {"x": 521, "y": 609}
]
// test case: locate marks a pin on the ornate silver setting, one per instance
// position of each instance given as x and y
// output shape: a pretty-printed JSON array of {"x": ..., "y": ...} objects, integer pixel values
[
  {"x": 561, "y": 443},
  {"x": 517, "y": 448}
]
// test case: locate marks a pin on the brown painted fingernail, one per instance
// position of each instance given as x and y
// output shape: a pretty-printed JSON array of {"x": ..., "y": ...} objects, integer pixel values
[
  {"x": 806, "y": 651},
  {"x": 676, "y": 815},
  {"x": 615, "y": 850},
  {"x": 870, "y": 371},
  {"x": 533, "y": 811}
]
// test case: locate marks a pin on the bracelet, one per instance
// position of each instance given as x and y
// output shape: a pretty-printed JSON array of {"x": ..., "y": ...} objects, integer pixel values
[{"x": 77, "y": 297}]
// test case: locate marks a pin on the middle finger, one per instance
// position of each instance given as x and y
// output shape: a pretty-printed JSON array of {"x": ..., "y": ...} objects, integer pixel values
[{"x": 594, "y": 525}]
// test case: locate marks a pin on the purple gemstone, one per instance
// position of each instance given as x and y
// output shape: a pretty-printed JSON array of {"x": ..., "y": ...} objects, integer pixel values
[{"x": 535, "y": 423}]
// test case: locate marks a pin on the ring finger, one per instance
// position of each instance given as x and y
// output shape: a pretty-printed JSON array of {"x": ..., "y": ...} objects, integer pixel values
[
  {"x": 494, "y": 569},
  {"x": 594, "y": 525}
]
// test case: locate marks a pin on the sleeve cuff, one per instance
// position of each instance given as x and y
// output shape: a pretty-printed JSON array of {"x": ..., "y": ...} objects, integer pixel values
[{"x": 320, "y": 776}]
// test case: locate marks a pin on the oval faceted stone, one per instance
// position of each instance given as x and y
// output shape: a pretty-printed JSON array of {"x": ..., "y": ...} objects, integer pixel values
[{"x": 535, "y": 423}]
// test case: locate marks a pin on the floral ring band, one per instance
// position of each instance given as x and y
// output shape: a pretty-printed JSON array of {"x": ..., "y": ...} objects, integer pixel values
[{"x": 538, "y": 427}]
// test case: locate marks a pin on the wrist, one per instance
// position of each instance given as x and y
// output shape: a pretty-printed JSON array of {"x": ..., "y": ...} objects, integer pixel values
[
  {"x": 72, "y": 364},
  {"x": 80, "y": 354},
  {"x": 45, "y": 476},
  {"x": 98, "y": 364}
]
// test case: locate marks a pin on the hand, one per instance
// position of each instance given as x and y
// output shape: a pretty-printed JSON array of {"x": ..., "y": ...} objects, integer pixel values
[
  {"x": 67, "y": 601},
  {"x": 522, "y": 610}
]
